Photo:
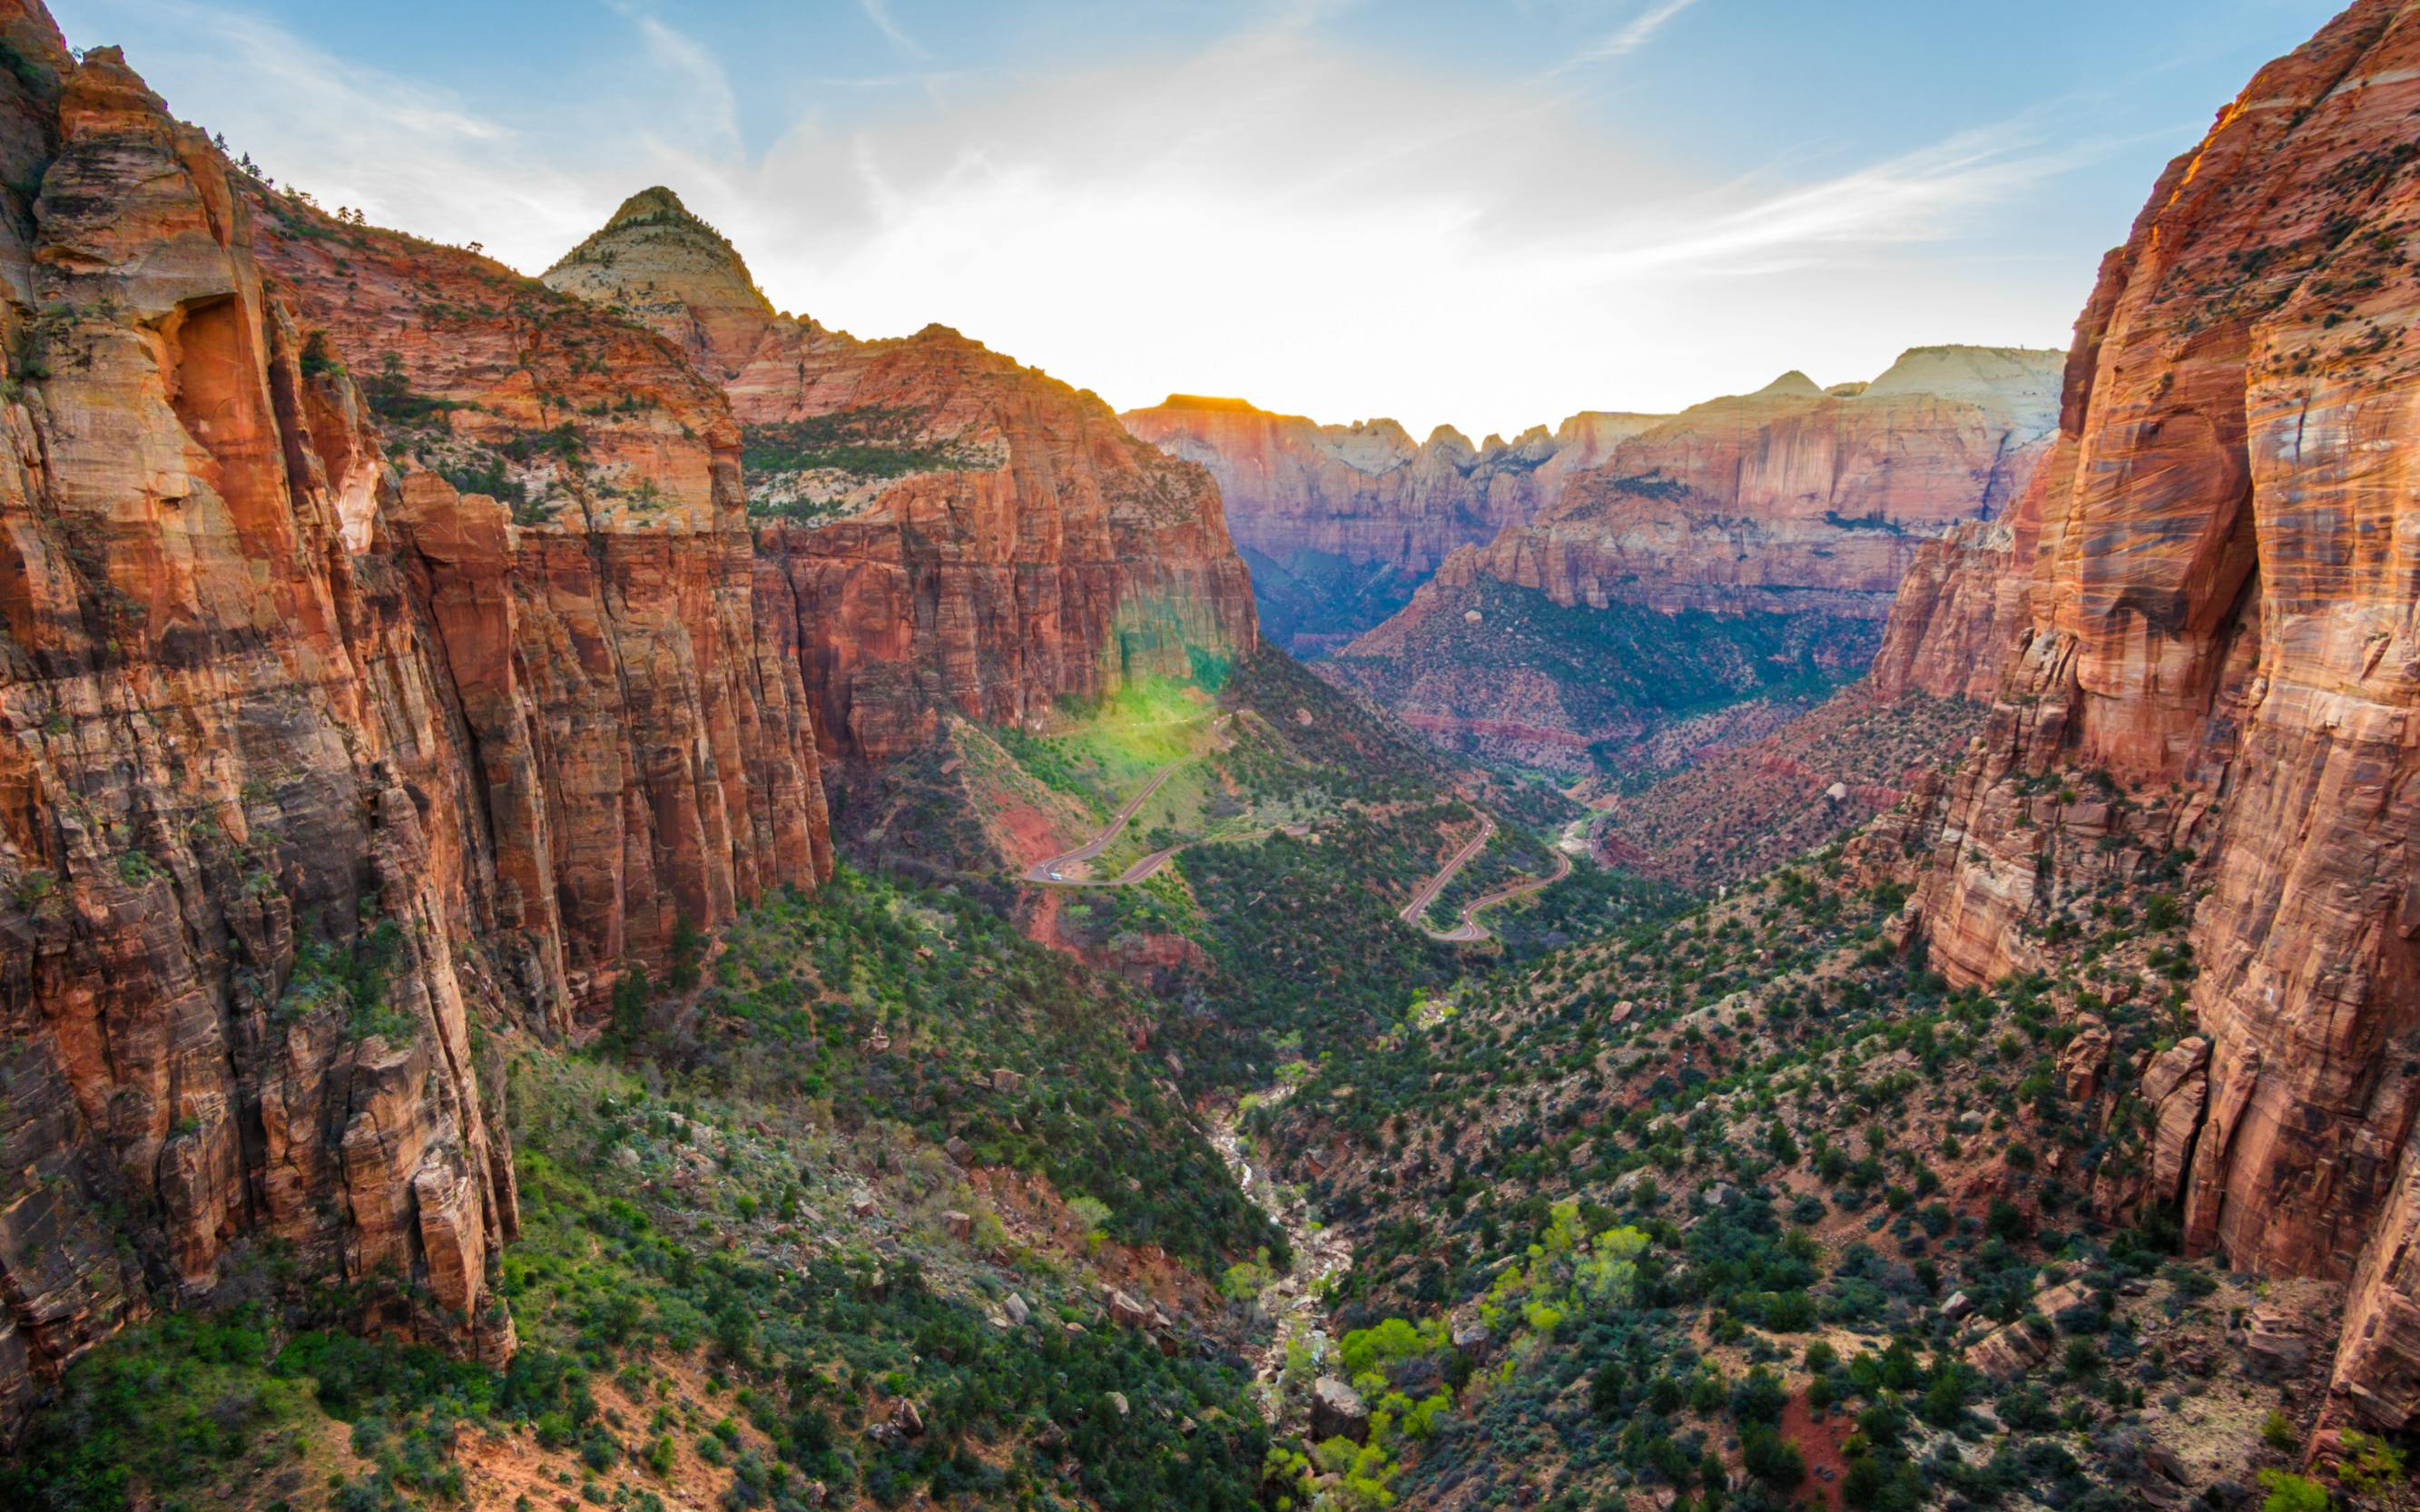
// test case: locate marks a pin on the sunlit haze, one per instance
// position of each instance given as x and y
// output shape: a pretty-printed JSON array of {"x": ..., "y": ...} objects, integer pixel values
[{"x": 1486, "y": 215}]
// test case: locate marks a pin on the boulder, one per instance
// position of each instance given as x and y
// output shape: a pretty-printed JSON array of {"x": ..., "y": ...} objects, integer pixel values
[{"x": 1337, "y": 1412}]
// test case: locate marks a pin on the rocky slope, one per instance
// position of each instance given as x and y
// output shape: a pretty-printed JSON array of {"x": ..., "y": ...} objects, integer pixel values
[
  {"x": 2217, "y": 628},
  {"x": 1794, "y": 502},
  {"x": 316, "y": 763},
  {"x": 956, "y": 531}
]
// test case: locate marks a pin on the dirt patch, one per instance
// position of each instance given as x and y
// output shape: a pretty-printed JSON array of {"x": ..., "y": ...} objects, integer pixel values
[{"x": 1818, "y": 1442}]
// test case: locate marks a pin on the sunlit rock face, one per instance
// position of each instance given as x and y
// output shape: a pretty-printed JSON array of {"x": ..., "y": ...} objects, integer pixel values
[
  {"x": 244, "y": 857},
  {"x": 1752, "y": 501},
  {"x": 1780, "y": 523},
  {"x": 626, "y": 671},
  {"x": 2218, "y": 595},
  {"x": 941, "y": 529},
  {"x": 1366, "y": 492}
]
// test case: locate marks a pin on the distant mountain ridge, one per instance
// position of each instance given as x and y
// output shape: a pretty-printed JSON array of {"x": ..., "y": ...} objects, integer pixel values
[{"x": 1803, "y": 506}]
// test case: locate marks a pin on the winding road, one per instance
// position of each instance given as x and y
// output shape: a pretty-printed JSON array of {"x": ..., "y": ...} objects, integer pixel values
[
  {"x": 1429, "y": 889},
  {"x": 1470, "y": 931},
  {"x": 1048, "y": 870}
]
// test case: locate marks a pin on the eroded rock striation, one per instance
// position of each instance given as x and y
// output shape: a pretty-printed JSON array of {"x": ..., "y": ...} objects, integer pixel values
[
  {"x": 1748, "y": 546},
  {"x": 237, "y": 840},
  {"x": 630, "y": 676},
  {"x": 2218, "y": 622},
  {"x": 1367, "y": 491},
  {"x": 956, "y": 532},
  {"x": 1789, "y": 497},
  {"x": 315, "y": 761}
]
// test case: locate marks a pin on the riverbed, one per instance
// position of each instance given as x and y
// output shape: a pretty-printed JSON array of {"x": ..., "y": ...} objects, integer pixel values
[{"x": 1291, "y": 1305}]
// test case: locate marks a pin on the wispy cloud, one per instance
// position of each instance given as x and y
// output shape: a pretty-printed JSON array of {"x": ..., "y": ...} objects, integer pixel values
[
  {"x": 1278, "y": 211},
  {"x": 1636, "y": 33},
  {"x": 707, "y": 100},
  {"x": 878, "y": 12},
  {"x": 1918, "y": 196}
]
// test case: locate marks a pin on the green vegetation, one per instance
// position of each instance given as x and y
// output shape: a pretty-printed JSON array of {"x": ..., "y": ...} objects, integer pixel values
[
  {"x": 869, "y": 441},
  {"x": 350, "y": 979},
  {"x": 1621, "y": 673},
  {"x": 883, "y": 1001}
]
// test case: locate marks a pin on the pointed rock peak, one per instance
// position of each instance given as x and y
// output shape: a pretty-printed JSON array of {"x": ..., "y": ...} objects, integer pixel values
[
  {"x": 1447, "y": 435},
  {"x": 1793, "y": 384},
  {"x": 674, "y": 273},
  {"x": 651, "y": 204}
]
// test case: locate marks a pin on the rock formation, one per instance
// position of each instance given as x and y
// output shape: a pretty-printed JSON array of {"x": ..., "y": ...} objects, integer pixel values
[
  {"x": 1791, "y": 497},
  {"x": 314, "y": 761},
  {"x": 1767, "y": 532},
  {"x": 241, "y": 851},
  {"x": 2217, "y": 614},
  {"x": 629, "y": 673},
  {"x": 956, "y": 531},
  {"x": 1366, "y": 492},
  {"x": 1960, "y": 606}
]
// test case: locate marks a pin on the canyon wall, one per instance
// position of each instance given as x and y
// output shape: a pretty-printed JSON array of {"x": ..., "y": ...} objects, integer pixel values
[
  {"x": 241, "y": 854},
  {"x": 956, "y": 531},
  {"x": 1366, "y": 492},
  {"x": 1744, "y": 551},
  {"x": 319, "y": 755},
  {"x": 2217, "y": 590},
  {"x": 1789, "y": 496},
  {"x": 629, "y": 674}
]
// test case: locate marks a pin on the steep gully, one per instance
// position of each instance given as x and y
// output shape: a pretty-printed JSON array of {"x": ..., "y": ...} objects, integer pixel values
[{"x": 1292, "y": 1305}]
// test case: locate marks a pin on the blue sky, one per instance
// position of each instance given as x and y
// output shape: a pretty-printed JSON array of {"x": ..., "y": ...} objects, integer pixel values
[{"x": 1490, "y": 215}]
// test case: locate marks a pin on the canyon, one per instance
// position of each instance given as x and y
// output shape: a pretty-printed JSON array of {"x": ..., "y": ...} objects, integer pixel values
[
  {"x": 609, "y": 894},
  {"x": 392, "y": 657},
  {"x": 1766, "y": 533}
]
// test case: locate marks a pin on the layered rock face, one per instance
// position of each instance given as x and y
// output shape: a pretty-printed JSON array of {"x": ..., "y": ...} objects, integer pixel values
[
  {"x": 1960, "y": 606},
  {"x": 241, "y": 855},
  {"x": 1790, "y": 498},
  {"x": 382, "y": 651},
  {"x": 2219, "y": 596},
  {"x": 955, "y": 532},
  {"x": 1768, "y": 533},
  {"x": 629, "y": 673},
  {"x": 1366, "y": 492}
]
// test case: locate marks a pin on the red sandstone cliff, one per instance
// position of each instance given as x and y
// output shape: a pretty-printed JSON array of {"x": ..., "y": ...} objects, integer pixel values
[
  {"x": 1789, "y": 496},
  {"x": 956, "y": 531},
  {"x": 627, "y": 671},
  {"x": 2218, "y": 612},
  {"x": 313, "y": 761},
  {"x": 1746, "y": 544},
  {"x": 240, "y": 853},
  {"x": 1960, "y": 609},
  {"x": 1366, "y": 492}
]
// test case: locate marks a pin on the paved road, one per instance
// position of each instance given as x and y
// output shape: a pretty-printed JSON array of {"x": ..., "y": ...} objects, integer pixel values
[
  {"x": 1048, "y": 870},
  {"x": 1429, "y": 889},
  {"x": 1470, "y": 931}
]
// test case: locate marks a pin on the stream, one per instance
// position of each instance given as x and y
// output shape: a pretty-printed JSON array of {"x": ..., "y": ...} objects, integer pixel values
[{"x": 1291, "y": 1301}]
